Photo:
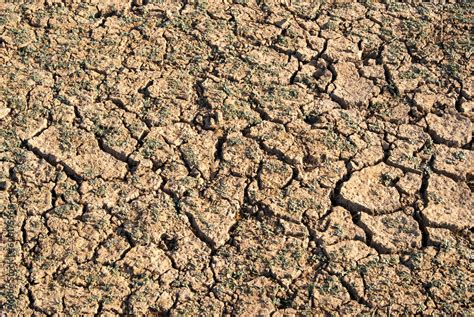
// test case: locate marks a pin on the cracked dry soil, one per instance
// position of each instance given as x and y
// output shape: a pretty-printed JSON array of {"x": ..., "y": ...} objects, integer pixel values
[{"x": 236, "y": 158}]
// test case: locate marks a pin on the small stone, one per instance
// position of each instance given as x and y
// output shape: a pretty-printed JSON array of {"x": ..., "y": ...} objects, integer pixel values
[
  {"x": 450, "y": 204},
  {"x": 372, "y": 190},
  {"x": 351, "y": 89},
  {"x": 4, "y": 112},
  {"x": 454, "y": 163},
  {"x": 450, "y": 129},
  {"x": 393, "y": 233},
  {"x": 275, "y": 174}
]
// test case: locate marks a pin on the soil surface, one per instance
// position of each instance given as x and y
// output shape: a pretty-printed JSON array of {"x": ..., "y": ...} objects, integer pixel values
[{"x": 236, "y": 158}]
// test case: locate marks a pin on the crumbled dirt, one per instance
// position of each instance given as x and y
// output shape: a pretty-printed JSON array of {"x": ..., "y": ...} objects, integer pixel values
[{"x": 236, "y": 158}]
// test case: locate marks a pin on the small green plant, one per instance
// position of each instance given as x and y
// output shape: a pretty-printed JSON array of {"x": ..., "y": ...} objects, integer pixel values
[
  {"x": 455, "y": 158},
  {"x": 387, "y": 180},
  {"x": 434, "y": 197},
  {"x": 150, "y": 147}
]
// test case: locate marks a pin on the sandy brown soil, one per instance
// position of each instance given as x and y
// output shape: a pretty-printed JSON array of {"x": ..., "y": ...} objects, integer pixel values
[{"x": 236, "y": 158}]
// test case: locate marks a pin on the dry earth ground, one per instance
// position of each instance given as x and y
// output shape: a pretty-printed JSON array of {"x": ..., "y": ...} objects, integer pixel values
[{"x": 236, "y": 158}]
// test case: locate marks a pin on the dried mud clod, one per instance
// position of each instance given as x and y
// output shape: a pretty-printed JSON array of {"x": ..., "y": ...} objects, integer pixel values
[{"x": 237, "y": 158}]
